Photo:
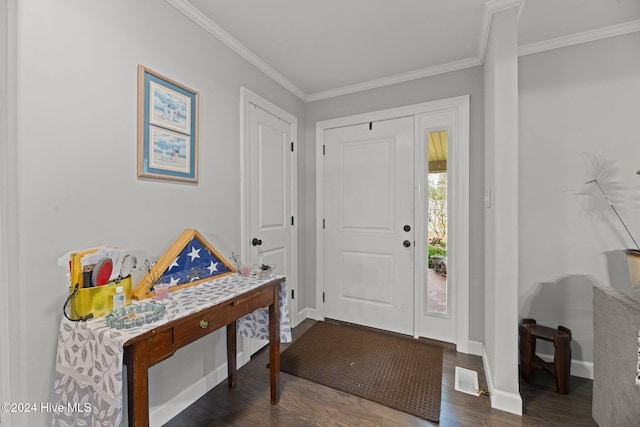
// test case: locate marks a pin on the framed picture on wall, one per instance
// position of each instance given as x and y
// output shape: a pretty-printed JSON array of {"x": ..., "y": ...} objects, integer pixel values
[{"x": 167, "y": 128}]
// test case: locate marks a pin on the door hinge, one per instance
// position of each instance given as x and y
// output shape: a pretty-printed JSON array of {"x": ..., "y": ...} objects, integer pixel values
[
  {"x": 324, "y": 150},
  {"x": 323, "y": 297},
  {"x": 293, "y": 293},
  {"x": 291, "y": 145},
  {"x": 323, "y": 223},
  {"x": 370, "y": 125},
  {"x": 292, "y": 221}
]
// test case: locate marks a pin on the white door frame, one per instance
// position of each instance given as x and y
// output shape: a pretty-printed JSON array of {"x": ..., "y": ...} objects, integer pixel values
[
  {"x": 11, "y": 347},
  {"x": 248, "y": 98},
  {"x": 13, "y": 353},
  {"x": 459, "y": 204}
]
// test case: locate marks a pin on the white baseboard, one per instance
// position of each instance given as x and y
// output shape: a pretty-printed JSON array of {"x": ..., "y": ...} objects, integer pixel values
[
  {"x": 505, "y": 401},
  {"x": 302, "y": 315},
  {"x": 309, "y": 313},
  {"x": 579, "y": 368},
  {"x": 475, "y": 348},
  {"x": 508, "y": 402},
  {"x": 160, "y": 415}
]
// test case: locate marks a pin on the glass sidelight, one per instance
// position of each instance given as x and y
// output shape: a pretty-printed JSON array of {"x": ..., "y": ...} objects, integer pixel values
[{"x": 436, "y": 294}]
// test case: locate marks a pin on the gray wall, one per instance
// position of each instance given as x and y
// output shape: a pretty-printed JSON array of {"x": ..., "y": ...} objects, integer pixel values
[
  {"x": 75, "y": 163},
  {"x": 579, "y": 120},
  {"x": 448, "y": 85}
]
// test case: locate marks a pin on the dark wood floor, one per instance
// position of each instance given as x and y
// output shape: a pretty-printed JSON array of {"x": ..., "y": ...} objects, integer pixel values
[{"x": 304, "y": 403}]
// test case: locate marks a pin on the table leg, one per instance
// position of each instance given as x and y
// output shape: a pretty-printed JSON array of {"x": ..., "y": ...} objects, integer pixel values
[
  {"x": 137, "y": 358},
  {"x": 274, "y": 346},
  {"x": 232, "y": 377}
]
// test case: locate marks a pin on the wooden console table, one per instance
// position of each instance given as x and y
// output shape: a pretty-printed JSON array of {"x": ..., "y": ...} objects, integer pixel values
[{"x": 145, "y": 350}]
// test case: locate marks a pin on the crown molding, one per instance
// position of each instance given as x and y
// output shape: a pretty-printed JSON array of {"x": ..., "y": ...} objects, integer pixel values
[
  {"x": 212, "y": 28},
  {"x": 491, "y": 8},
  {"x": 584, "y": 37},
  {"x": 215, "y": 30},
  {"x": 396, "y": 78}
]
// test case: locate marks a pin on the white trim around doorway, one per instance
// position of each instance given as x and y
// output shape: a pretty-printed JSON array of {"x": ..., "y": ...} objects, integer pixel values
[
  {"x": 12, "y": 342},
  {"x": 248, "y": 98},
  {"x": 460, "y": 203}
]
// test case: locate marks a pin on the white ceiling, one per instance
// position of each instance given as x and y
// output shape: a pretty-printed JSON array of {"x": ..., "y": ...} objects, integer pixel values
[{"x": 323, "y": 48}]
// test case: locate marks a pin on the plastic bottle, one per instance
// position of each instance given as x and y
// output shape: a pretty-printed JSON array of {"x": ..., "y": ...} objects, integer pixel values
[{"x": 118, "y": 298}]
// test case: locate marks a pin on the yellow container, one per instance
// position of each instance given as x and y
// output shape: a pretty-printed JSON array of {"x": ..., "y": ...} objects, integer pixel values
[{"x": 98, "y": 300}]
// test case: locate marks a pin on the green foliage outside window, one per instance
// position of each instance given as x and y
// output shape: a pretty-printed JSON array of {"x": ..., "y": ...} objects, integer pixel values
[{"x": 438, "y": 248}]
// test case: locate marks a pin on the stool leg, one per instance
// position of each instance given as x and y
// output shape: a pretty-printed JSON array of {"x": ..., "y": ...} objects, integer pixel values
[
  {"x": 527, "y": 350},
  {"x": 521, "y": 348},
  {"x": 562, "y": 363}
]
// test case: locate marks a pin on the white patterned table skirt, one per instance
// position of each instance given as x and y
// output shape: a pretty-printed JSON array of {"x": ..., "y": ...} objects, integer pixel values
[
  {"x": 638, "y": 366},
  {"x": 90, "y": 354}
]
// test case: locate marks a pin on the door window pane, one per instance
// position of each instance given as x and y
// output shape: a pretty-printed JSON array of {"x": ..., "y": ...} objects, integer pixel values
[{"x": 436, "y": 278}]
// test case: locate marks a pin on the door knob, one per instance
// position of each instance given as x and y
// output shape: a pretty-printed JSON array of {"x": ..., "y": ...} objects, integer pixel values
[
  {"x": 407, "y": 228},
  {"x": 406, "y": 243},
  {"x": 256, "y": 241}
]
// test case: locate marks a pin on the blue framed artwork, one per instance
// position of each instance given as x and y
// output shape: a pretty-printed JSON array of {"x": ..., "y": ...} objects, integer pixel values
[{"x": 167, "y": 128}]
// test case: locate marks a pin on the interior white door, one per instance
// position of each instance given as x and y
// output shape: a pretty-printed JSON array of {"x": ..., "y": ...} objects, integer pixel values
[
  {"x": 269, "y": 171},
  {"x": 368, "y": 224},
  {"x": 270, "y": 216}
]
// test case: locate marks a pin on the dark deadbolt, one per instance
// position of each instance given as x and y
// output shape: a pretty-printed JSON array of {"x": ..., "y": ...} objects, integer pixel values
[
  {"x": 256, "y": 241},
  {"x": 407, "y": 228},
  {"x": 406, "y": 243}
]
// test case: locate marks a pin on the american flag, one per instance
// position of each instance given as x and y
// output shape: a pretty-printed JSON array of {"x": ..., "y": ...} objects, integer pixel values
[{"x": 195, "y": 262}]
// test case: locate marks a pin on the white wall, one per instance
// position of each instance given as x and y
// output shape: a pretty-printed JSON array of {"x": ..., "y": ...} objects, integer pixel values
[
  {"x": 75, "y": 163},
  {"x": 579, "y": 120},
  {"x": 464, "y": 82}
]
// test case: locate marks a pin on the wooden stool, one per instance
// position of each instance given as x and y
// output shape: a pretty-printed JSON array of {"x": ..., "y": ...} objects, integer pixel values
[{"x": 529, "y": 331}]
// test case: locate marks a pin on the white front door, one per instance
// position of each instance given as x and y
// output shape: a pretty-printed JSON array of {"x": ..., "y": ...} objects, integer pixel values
[
  {"x": 269, "y": 235},
  {"x": 360, "y": 260},
  {"x": 369, "y": 224}
]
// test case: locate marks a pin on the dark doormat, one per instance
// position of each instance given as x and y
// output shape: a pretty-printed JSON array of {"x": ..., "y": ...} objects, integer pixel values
[{"x": 394, "y": 370}]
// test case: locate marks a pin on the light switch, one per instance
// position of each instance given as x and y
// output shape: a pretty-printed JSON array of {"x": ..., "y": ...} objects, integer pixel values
[{"x": 487, "y": 199}]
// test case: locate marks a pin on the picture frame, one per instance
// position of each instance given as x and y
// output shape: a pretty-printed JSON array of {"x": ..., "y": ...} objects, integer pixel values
[
  {"x": 189, "y": 261},
  {"x": 167, "y": 128}
]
